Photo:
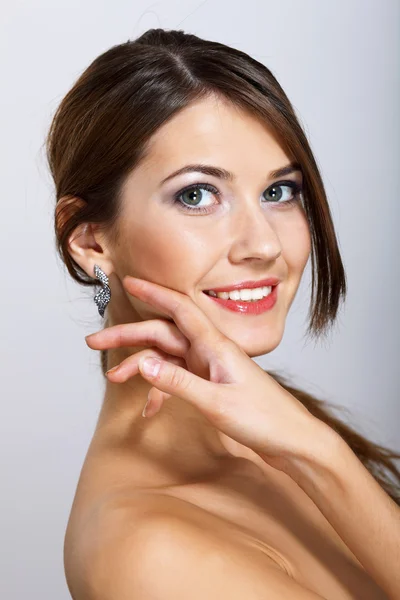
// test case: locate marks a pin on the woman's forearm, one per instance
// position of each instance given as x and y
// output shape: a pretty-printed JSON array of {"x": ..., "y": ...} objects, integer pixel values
[{"x": 353, "y": 502}]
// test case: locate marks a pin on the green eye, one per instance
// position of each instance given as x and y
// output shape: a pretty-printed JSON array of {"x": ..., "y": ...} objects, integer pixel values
[
  {"x": 275, "y": 194},
  {"x": 190, "y": 197},
  {"x": 193, "y": 196}
]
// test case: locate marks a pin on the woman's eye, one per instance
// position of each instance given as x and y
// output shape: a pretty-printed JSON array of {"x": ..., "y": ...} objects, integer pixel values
[
  {"x": 275, "y": 194},
  {"x": 197, "y": 197}
]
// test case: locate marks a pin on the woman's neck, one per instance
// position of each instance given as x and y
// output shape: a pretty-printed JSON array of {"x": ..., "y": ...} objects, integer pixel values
[{"x": 179, "y": 437}]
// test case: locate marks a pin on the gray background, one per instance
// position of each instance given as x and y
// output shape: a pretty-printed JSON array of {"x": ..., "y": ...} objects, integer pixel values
[{"x": 339, "y": 64}]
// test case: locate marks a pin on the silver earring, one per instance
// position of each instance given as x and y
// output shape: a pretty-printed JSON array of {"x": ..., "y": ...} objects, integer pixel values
[{"x": 102, "y": 298}]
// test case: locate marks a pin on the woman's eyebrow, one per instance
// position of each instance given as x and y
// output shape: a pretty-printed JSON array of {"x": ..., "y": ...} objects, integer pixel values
[{"x": 227, "y": 175}]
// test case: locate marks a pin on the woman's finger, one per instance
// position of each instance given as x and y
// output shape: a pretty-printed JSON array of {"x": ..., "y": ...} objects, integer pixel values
[
  {"x": 157, "y": 332},
  {"x": 191, "y": 320},
  {"x": 155, "y": 400},
  {"x": 129, "y": 366},
  {"x": 177, "y": 381}
]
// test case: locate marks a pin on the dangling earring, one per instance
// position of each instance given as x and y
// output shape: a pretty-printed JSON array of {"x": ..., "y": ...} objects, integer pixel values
[{"x": 102, "y": 298}]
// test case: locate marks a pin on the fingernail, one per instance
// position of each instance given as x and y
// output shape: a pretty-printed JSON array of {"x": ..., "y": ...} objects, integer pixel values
[
  {"x": 150, "y": 366},
  {"x": 146, "y": 406},
  {"x": 112, "y": 370}
]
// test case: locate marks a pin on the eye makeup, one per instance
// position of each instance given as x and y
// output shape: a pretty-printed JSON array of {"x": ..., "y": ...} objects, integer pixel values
[{"x": 296, "y": 188}]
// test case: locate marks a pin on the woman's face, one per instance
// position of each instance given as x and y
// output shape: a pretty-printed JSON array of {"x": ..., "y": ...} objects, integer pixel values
[{"x": 238, "y": 229}]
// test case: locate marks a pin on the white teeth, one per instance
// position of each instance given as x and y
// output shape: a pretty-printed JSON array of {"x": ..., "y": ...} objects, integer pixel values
[
  {"x": 233, "y": 295},
  {"x": 247, "y": 295}
]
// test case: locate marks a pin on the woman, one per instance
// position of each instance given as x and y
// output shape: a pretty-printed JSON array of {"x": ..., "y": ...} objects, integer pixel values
[{"x": 187, "y": 190}]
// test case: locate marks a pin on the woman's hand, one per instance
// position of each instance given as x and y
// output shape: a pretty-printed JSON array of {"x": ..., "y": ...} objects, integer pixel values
[{"x": 201, "y": 365}]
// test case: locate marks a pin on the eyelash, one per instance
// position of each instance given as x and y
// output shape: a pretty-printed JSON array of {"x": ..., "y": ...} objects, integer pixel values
[{"x": 297, "y": 190}]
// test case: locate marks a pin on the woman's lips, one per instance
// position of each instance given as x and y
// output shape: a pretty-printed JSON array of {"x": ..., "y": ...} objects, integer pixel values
[{"x": 251, "y": 308}]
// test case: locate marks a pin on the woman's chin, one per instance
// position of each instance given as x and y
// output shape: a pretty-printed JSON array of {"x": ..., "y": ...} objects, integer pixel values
[{"x": 254, "y": 343}]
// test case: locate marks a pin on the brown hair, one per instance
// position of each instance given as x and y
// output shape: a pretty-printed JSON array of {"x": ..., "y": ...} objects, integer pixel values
[{"x": 99, "y": 133}]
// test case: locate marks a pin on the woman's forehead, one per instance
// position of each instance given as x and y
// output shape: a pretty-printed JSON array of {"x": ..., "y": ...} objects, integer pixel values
[{"x": 216, "y": 135}]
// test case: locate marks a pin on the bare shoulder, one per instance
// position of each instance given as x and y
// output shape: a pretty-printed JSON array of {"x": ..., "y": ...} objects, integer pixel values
[{"x": 156, "y": 549}]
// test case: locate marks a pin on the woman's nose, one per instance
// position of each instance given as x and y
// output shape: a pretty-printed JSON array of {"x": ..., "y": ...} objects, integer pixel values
[{"x": 254, "y": 235}]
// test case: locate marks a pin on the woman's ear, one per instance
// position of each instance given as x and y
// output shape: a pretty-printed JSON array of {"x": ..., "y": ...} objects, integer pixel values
[
  {"x": 89, "y": 248},
  {"x": 86, "y": 244}
]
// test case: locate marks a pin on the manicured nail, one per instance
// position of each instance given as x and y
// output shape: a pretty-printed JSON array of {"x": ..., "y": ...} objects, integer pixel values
[{"x": 150, "y": 366}]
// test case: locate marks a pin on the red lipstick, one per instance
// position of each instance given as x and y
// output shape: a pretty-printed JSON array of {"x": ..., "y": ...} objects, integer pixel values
[{"x": 255, "y": 307}]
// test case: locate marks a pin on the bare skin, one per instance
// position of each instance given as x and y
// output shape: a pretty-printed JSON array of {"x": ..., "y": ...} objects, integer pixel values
[
  {"x": 177, "y": 459},
  {"x": 243, "y": 237}
]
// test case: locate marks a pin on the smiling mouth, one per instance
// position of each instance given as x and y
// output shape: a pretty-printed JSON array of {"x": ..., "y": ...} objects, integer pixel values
[{"x": 225, "y": 295}]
